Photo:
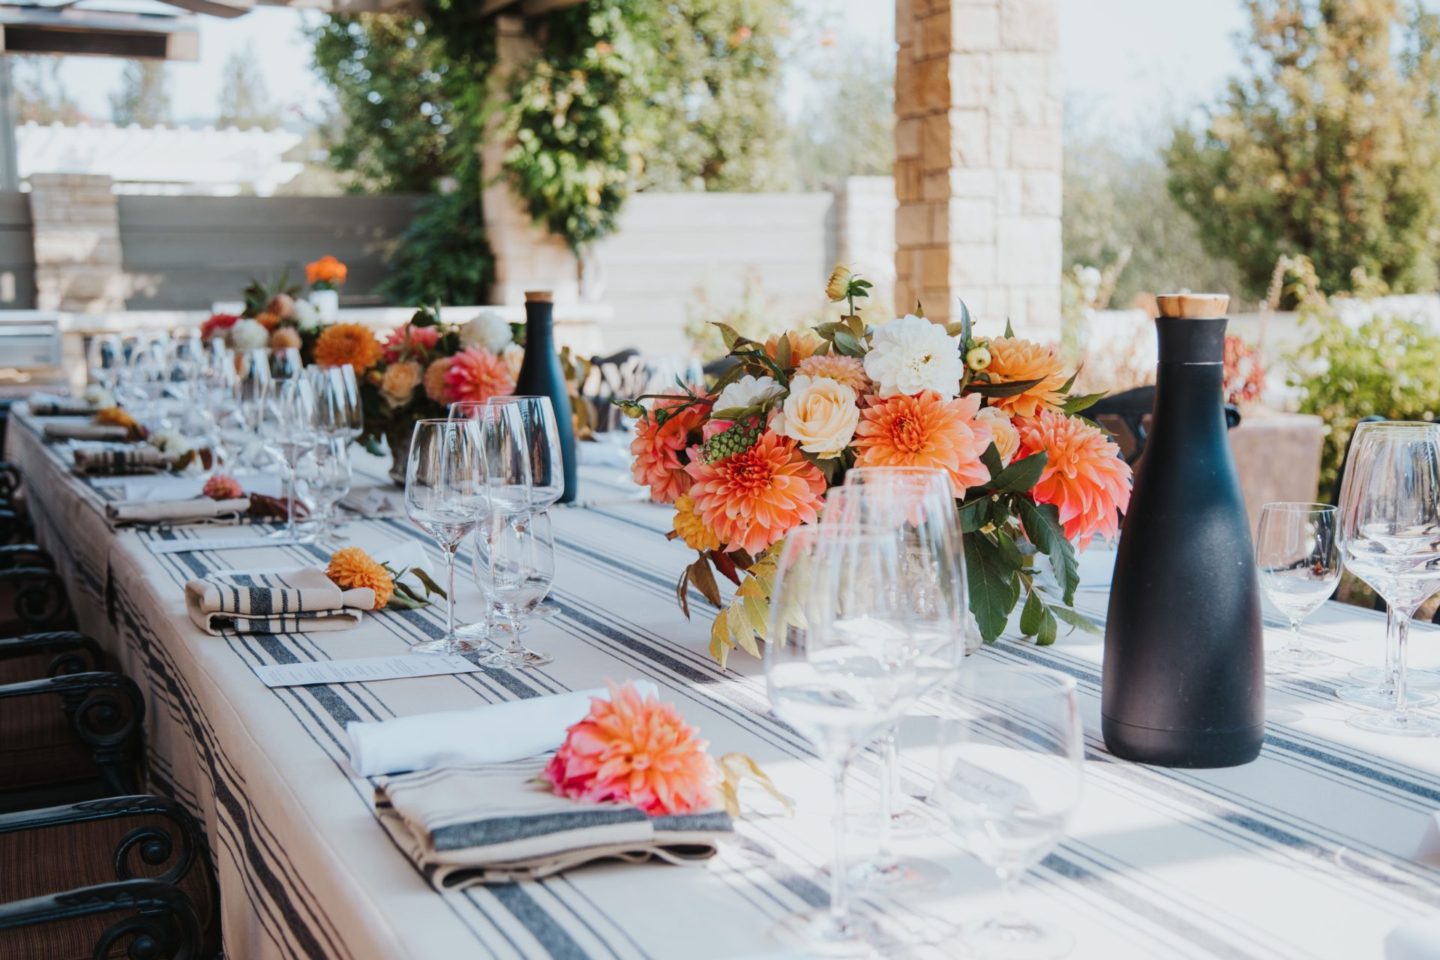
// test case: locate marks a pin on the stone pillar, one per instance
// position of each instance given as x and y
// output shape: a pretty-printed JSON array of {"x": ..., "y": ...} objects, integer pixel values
[
  {"x": 76, "y": 230},
  {"x": 977, "y": 161},
  {"x": 527, "y": 257}
]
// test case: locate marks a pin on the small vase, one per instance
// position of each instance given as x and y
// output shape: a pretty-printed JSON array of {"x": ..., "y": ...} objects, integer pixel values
[
  {"x": 326, "y": 303},
  {"x": 397, "y": 437}
]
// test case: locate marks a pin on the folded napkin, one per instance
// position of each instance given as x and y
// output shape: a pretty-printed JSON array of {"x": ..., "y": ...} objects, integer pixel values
[
  {"x": 496, "y": 733},
  {"x": 84, "y": 431},
  {"x": 116, "y": 459},
  {"x": 52, "y": 405},
  {"x": 492, "y": 823},
  {"x": 174, "y": 511},
  {"x": 1414, "y": 940},
  {"x": 293, "y": 601}
]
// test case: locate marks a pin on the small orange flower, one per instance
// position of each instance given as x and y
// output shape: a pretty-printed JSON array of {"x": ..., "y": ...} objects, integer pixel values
[
  {"x": 847, "y": 370},
  {"x": 326, "y": 273},
  {"x": 434, "y": 381},
  {"x": 1013, "y": 359},
  {"x": 635, "y": 750},
  {"x": 691, "y": 528},
  {"x": 656, "y": 447},
  {"x": 268, "y": 320},
  {"x": 351, "y": 343},
  {"x": 753, "y": 498},
  {"x": 925, "y": 430},
  {"x": 1084, "y": 475},
  {"x": 803, "y": 344},
  {"x": 222, "y": 486},
  {"x": 115, "y": 417},
  {"x": 477, "y": 374},
  {"x": 354, "y": 569}
]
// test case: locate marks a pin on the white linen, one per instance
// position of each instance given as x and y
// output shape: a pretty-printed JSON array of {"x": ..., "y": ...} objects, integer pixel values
[
  {"x": 1416, "y": 940},
  {"x": 175, "y": 511},
  {"x": 497, "y": 733},
  {"x": 70, "y": 430},
  {"x": 54, "y": 405},
  {"x": 291, "y": 601}
]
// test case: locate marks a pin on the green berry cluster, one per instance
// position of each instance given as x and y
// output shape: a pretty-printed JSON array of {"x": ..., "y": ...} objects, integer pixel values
[{"x": 737, "y": 438}]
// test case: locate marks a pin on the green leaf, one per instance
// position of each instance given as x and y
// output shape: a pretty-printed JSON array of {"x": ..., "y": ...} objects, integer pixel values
[
  {"x": 1009, "y": 330},
  {"x": 1008, "y": 389},
  {"x": 1084, "y": 401},
  {"x": 847, "y": 344},
  {"x": 1077, "y": 619},
  {"x": 703, "y": 579},
  {"x": 431, "y": 587},
  {"x": 994, "y": 588},
  {"x": 1045, "y": 635},
  {"x": 1031, "y": 614},
  {"x": 1043, "y": 527},
  {"x": 966, "y": 327},
  {"x": 992, "y": 461},
  {"x": 974, "y": 515},
  {"x": 1020, "y": 476}
]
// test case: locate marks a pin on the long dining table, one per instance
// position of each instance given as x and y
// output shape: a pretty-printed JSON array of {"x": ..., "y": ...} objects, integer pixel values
[{"x": 1320, "y": 848}]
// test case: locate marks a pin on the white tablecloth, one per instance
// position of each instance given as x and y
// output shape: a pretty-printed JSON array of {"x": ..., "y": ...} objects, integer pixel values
[{"x": 1311, "y": 851}]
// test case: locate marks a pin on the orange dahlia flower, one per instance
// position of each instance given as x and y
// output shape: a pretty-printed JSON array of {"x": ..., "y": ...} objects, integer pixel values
[
  {"x": 477, "y": 374},
  {"x": 327, "y": 271},
  {"x": 1084, "y": 475},
  {"x": 926, "y": 430},
  {"x": 635, "y": 750},
  {"x": 1013, "y": 359},
  {"x": 268, "y": 319},
  {"x": 222, "y": 486},
  {"x": 846, "y": 370},
  {"x": 354, "y": 569},
  {"x": 351, "y": 343},
  {"x": 410, "y": 340},
  {"x": 434, "y": 381},
  {"x": 690, "y": 528},
  {"x": 753, "y": 498},
  {"x": 656, "y": 448},
  {"x": 803, "y": 344}
]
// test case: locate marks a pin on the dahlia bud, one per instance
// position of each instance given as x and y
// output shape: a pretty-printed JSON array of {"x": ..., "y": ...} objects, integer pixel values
[
  {"x": 839, "y": 282},
  {"x": 978, "y": 358}
]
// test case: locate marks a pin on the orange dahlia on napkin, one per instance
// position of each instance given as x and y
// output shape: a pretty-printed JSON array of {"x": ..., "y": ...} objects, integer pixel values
[
  {"x": 636, "y": 750},
  {"x": 354, "y": 569}
]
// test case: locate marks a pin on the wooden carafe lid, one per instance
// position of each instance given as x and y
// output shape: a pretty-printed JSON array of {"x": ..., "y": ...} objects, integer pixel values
[{"x": 1193, "y": 306}]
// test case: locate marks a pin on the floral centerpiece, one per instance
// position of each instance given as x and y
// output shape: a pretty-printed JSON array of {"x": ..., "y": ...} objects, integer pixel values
[
  {"x": 748, "y": 460},
  {"x": 274, "y": 316},
  {"x": 418, "y": 370}
]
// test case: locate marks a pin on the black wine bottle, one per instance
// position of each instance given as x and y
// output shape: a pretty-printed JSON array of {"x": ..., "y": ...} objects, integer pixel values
[
  {"x": 541, "y": 376},
  {"x": 1184, "y": 677}
]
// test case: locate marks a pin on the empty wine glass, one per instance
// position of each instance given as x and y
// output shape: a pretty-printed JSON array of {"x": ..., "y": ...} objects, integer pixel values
[
  {"x": 1011, "y": 773},
  {"x": 839, "y": 669},
  {"x": 251, "y": 384},
  {"x": 337, "y": 401},
  {"x": 285, "y": 363},
  {"x": 288, "y": 430},
  {"x": 105, "y": 359},
  {"x": 1390, "y": 534},
  {"x": 519, "y": 555},
  {"x": 1298, "y": 556},
  {"x": 445, "y": 496},
  {"x": 330, "y": 481}
]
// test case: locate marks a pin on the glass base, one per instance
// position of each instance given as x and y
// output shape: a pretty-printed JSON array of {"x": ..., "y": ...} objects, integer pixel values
[
  {"x": 897, "y": 874},
  {"x": 1418, "y": 679},
  {"x": 1380, "y": 697},
  {"x": 508, "y": 659},
  {"x": 912, "y": 818},
  {"x": 818, "y": 934},
  {"x": 1396, "y": 724},
  {"x": 1011, "y": 937},
  {"x": 1291, "y": 658},
  {"x": 450, "y": 646},
  {"x": 479, "y": 630}
]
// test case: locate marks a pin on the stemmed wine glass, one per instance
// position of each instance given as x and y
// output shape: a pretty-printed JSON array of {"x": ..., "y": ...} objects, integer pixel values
[
  {"x": 1011, "y": 774},
  {"x": 106, "y": 358},
  {"x": 330, "y": 480},
  {"x": 288, "y": 431},
  {"x": 252, "y": 385},
  {"x": 337, "y": 401},
  {"x": 840, "y": 666},
  {"x": 1390, "y": 534},
  {"x": 1298, "y": 556},
  {"x": 445, "y": 494},
  {"x": 918, "y": 507},
  {"x": 285, "y": 363}
]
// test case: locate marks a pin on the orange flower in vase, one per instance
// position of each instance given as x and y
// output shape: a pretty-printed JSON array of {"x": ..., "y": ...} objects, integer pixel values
[
  {"x": 926, "y": 430},
  {"x": 1013, "y": 360},
  {"x": 753, "y": 498},
  {"x": 656, "y": 447},
  {"x": 327, "y": 273},
  {"x": 635, "y": 750},
  {"x": 477, "y": 374},
  {"x": 1084, "y": 475},
  {"x": 351, "y": 343}
]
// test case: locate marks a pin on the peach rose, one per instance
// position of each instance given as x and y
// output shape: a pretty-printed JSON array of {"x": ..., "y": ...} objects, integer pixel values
[
  {"x": 1007, "y": 438},
  {"x": 400, "y": 380},
  {"x": 285, "y": 338},
  {"x": 435, "y": 387},
  {"x": 820, "y": 414}
]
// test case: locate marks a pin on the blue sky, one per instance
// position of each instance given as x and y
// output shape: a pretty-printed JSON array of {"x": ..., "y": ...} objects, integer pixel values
[{"x": 1121, "y": 60}]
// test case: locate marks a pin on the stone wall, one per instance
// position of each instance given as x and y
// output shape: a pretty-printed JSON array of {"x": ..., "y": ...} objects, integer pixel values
[
  {"x": 76, "y": 229},
  {"x": 977, "y": 169}
]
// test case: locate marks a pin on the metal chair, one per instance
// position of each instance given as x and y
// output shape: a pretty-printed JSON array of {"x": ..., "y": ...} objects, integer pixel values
[{"x": 1127, "y": 415}]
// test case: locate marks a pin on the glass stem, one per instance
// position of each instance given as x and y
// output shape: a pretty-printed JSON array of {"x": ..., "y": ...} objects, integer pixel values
[
  {"x": 1392, "y": 656},
  {"x": 839, "y": 895},
  {"x": 450, "y": 550},
  {"x": 290, "y": 500},
  {"x": 1402, "y": 637},
  {"x": 889, "y": 787},
  {"x": 1295, "y": 645}
]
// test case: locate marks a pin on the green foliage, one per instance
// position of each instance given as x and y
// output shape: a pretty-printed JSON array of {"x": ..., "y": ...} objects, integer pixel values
[
  {"x": 1327, "y": 147},
  {"x": 143, "y": 97},
  {"x": 443, "y": 256},
  {"x": 849, "y": 126},
  {"x": 244, "y": 99}
]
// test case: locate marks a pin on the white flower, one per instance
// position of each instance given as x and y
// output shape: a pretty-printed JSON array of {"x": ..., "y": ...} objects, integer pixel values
[
  {"x": 489, "y": 330},
  {"x": 820, "y": 414},
  {"x": 307, "y": 315},
  {"x": 911, "y": 355},
  {"x": 514, "y": 357},
  {"x": 1007, "y": 438},
  {"x": 747, "y": 392},
  {"x": 98, "y": 396},
  {"x": 169, "y": 441},
  {"x": 249, "y": 335}
]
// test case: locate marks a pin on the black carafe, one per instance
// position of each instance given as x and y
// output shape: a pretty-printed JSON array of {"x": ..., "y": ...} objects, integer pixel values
[
  {"x": 541, "y": 376},
  {"x": 1184, "y": 673}
]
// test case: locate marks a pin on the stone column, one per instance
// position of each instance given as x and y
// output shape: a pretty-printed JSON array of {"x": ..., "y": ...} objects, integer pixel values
[
  {"x": 76, "y": 229},
  {"x": 977, "y": 161}
]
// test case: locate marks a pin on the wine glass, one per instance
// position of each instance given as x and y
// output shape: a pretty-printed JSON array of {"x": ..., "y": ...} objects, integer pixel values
[
  {"x": 1390, "y": 534},
  {"x": 1011, "y": 774},
  {"x": 337, "y": 397},
  {"x": 1299, "y": 561},
  {"x": 519, "y": 555},
  {"x": 285, "y": 363},
  {"x": 839, "y": 669},
  {"x": 287, "y": 428},
  {"x": 445, "y": 496},
  {"x": 330, "y": 481},
  {"x": 105, "y": 358},
  {"x": 252, "y": 384}
]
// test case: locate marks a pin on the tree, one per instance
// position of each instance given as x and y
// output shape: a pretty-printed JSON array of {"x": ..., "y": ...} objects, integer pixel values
[
  {"x": 244, "y": 99},
  {"x": 143, "y": 97},
  {"x": 40, "y": 93},
  {"x": 1327, "y": 146},
  {"x": 850, "y": 118}
]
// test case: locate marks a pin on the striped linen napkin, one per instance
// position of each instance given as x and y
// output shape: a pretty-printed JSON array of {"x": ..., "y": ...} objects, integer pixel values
[
  {"x": 293, "y": 601},
  {"x": 136, "y": 512},
  {"x": 493, "y": 823},
  {"x": 54, "y": 405},
  {"x": 115, "y": 459},
  {"x": 85, "y": 431}
]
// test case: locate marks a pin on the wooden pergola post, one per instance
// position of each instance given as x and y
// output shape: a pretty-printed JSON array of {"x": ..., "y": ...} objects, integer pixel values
[{"x": 977, "y": 160}]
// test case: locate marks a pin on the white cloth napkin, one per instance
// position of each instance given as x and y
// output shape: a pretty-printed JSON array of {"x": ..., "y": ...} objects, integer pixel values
[
  {"x": 85, "y": 431},
  {"x": 1414, "y": 940},
  {"x": 116, "y": 459},
  {"x": 175, "y": 511},
  {"x": 52, "y": 405},
  {"x": 293, "y": 601},
  {"x": 493, "y": 823},
  {"x": 496, "y": 733}
]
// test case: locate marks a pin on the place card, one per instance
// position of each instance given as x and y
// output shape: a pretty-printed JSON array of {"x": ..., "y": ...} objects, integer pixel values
[
  {"x": 362, "y": 670},
  {"x": 215, "y": 543}
]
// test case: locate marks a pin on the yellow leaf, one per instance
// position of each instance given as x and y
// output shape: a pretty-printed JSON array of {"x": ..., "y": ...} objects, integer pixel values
[
  {"x": 736, "y": 768},
  {"x": 720, "y": 638}
]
